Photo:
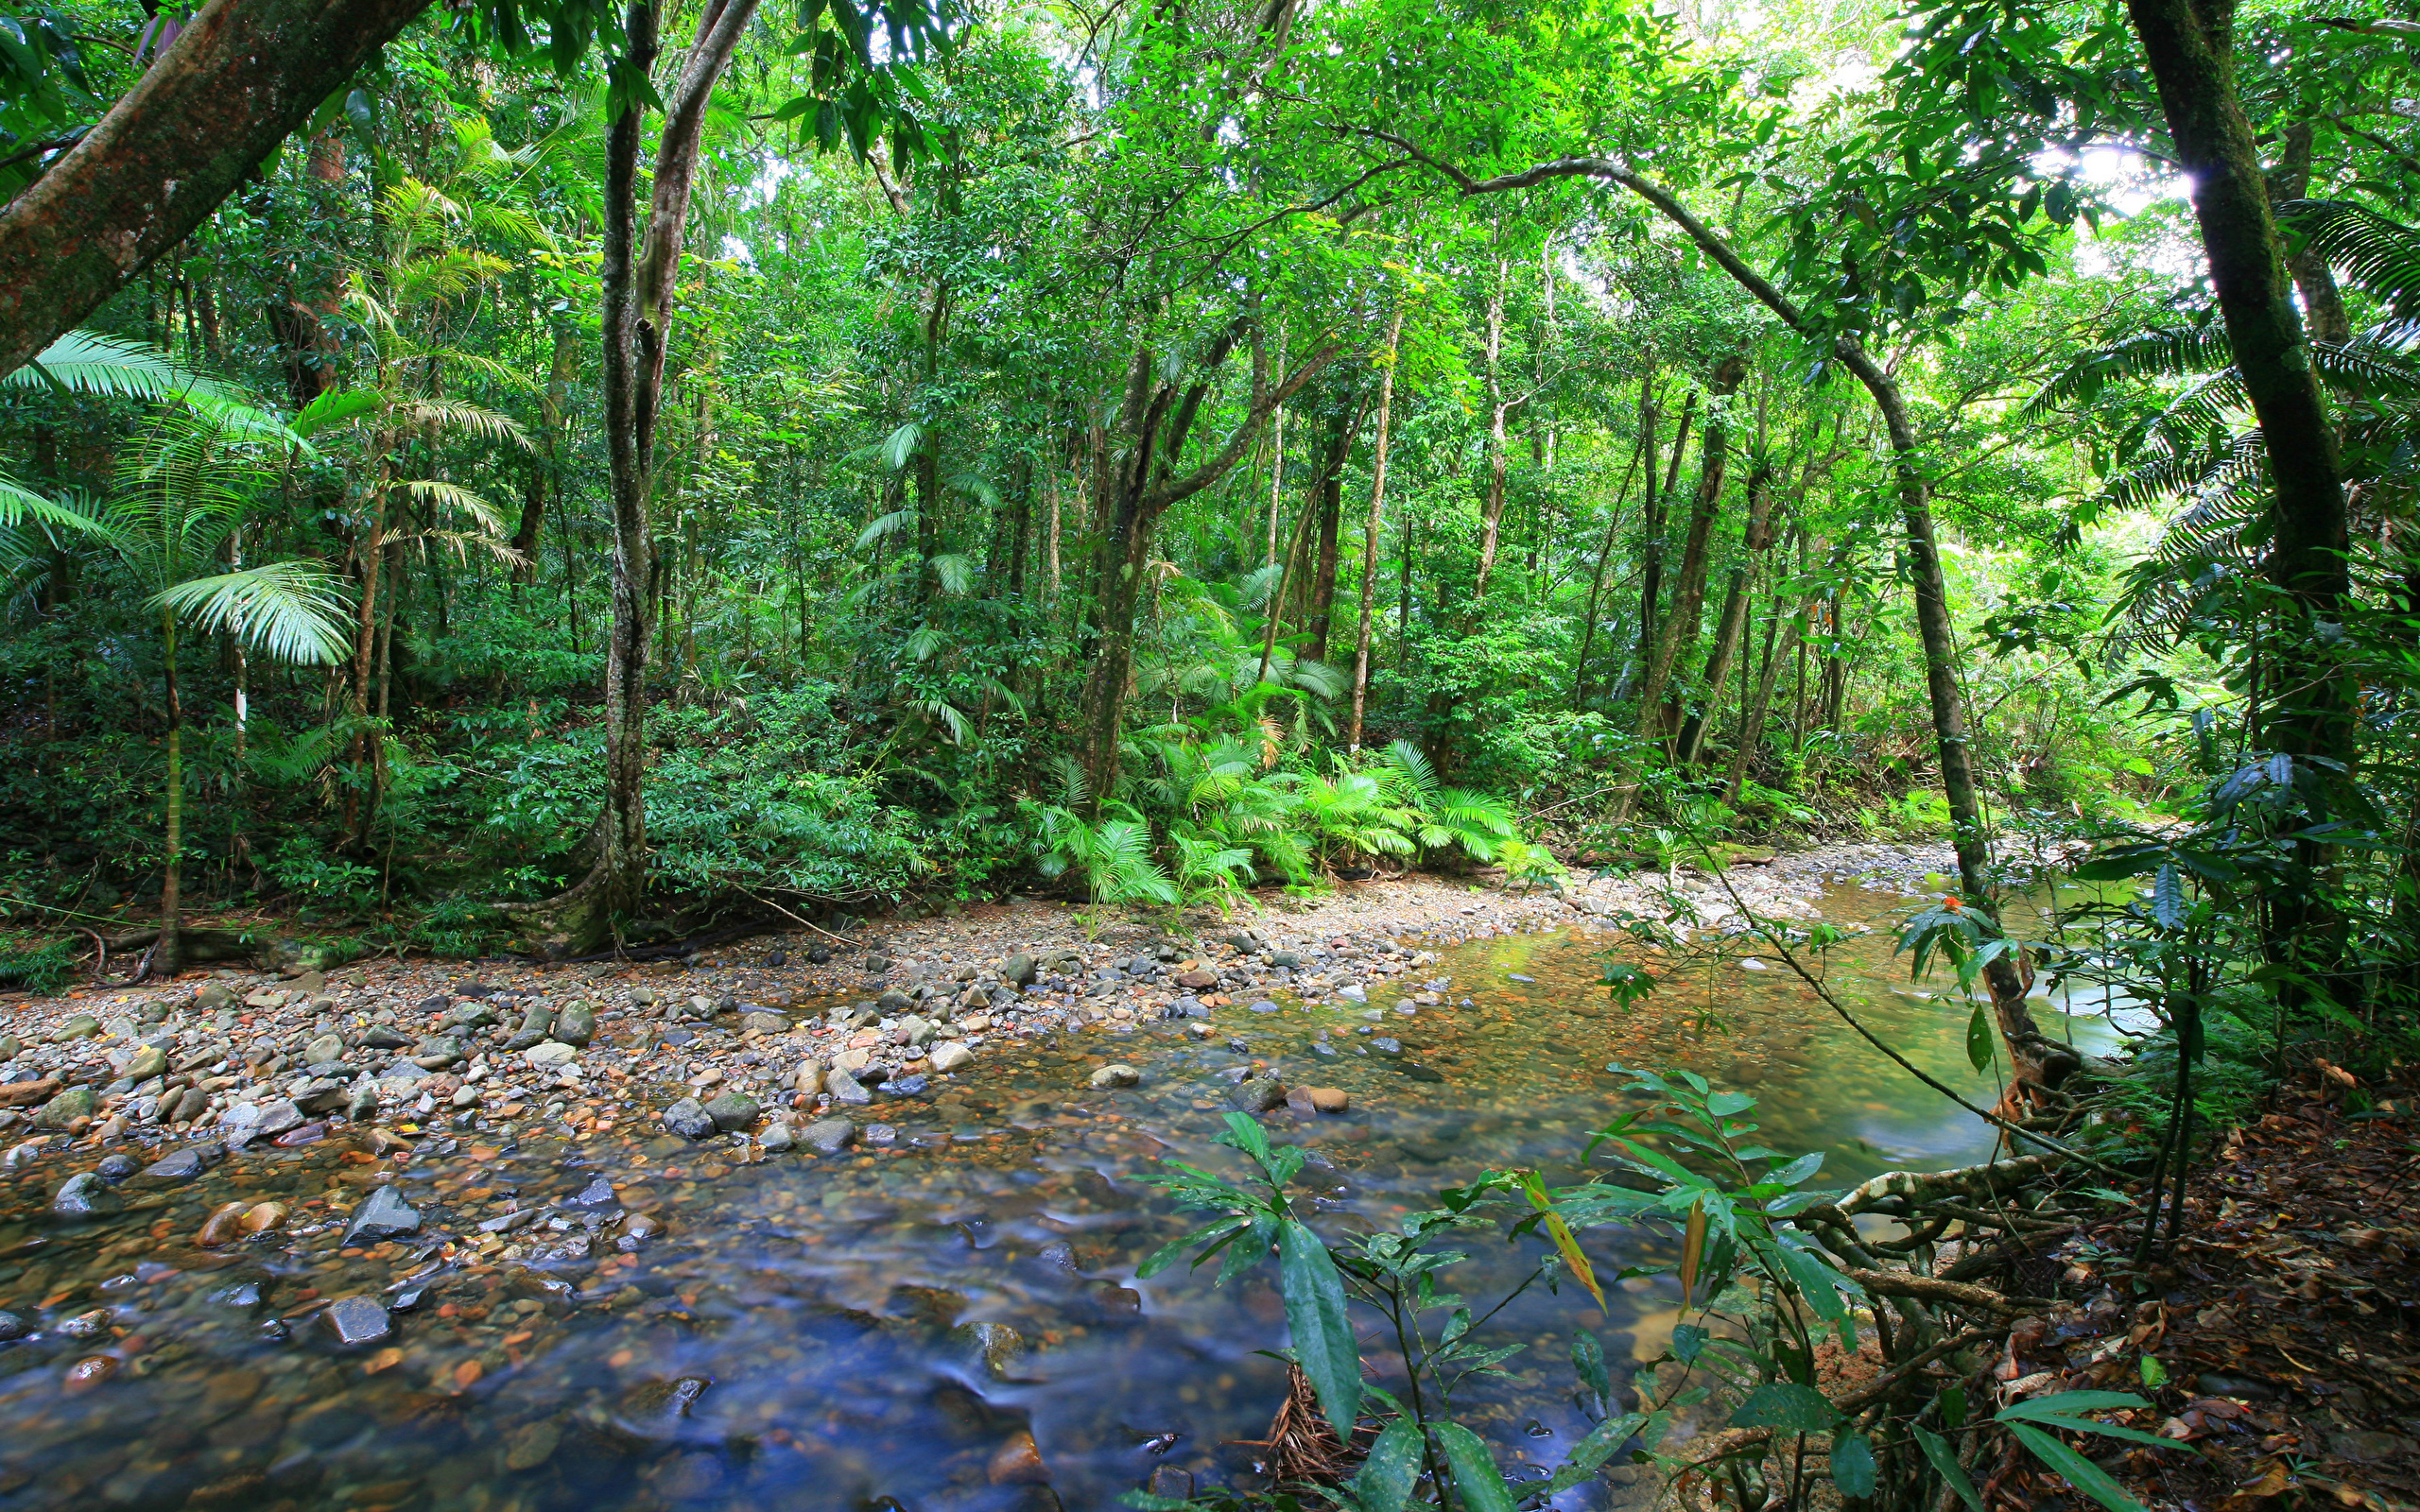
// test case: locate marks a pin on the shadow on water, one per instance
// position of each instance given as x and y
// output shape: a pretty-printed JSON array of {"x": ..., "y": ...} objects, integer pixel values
[{"x": 808, "y": 1334}]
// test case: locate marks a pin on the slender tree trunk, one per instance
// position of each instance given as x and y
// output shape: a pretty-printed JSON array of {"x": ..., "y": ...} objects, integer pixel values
[
  {"x": 638, "y": 279},
  {"x": 1492, "y": 516},
  {"x": 1605, "y": 554},
  {"x": 545, "y": 469},
  {"x": 1650, "y": 577},
  {"x": 2306, "y": 711},
  {"x": 168, "y": 956},
  {"x": 1330, "y": 504},
  {"x": 1733, "y": 622},
  {"x": 1657, "y": 720},
  {"x": 1370, "y": 530}
]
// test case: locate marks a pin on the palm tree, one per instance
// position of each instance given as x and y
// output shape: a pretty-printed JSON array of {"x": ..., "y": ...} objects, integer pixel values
[{"x": 179, "y": 497}]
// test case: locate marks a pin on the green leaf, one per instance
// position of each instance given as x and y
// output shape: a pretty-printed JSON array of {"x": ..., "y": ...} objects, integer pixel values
[
  {"x": 1477, "y": 1484},
  {"x": 1587, "y": 1456},
  {"x": 1853, "y": 1469},
  {"x": 1385, "y": 1478},
  {"x": 1687, "y": 1341},
  {"x": 2063, "y": 1410},
  {"x": 1981, "y": 1045},
  {"x": 1588, "y": 1359},
  {"x": 1945, "y": 1465},
  {"x": 1322, "y": 1336},
  {"x": 1787, "y": 1407},
  {"x": 2081, "y": 1472}
]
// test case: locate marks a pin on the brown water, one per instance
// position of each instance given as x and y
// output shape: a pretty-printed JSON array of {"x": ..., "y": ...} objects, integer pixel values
[{"x": 785, "y": 1340}]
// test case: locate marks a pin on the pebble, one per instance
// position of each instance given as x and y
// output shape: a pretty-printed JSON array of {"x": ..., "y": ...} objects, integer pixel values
[
  {"x": 828, "y": 1136},
  {"x": 1116, "y": 1075},
  {"x": 953, "y": 1056},
  {"x": 85, "y": 1196},
  {"x": 690, "y": 1119},
  {"x": 731, "y": 1111}
]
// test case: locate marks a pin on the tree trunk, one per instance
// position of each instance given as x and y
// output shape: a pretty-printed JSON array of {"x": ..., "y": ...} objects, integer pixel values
[
  {"x": 1322, "y": 607},
  {"x": 240, "y": 77},
  {"x": 545, "y": 469},
  {"x": 1733, "y": 621},
  {"x": 165, "y": 956},
  {"x": 1491, "y": 515},
  {"x": 2305, "y": 698},
  {"x": 2322, "y": 302},
  {"x": 638, "y": 288},
  {"x": 1370, "y": 530},
  {"x": 1605, "y": 552},
  {"x": 1679, "y": 630}
]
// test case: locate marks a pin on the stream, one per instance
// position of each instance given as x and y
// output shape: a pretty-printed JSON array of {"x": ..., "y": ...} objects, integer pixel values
[{"x": 947, "y": 1323}]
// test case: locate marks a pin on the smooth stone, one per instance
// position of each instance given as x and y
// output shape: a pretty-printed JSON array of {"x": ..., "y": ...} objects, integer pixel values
[
  {"x": 808, "y": 1078},
  {"x": 1353, "y": 992},
  {"x": 828, "y": 1136},
  {"x": 11, "y": 1047},
  {"x": 996, "y": 1344},
  {"x": 185, "y": 1165},
  {"x": 575, "y": 1025},
  {"x": 326, "y": 1047},
  {"x": 357, "y": 1321},
  {"x": 532, "y": 1443},
  {"x": 1020, "y": 969},
  {"x": 599, "y": 1192},
  {"x": 223, "y": 1226},
  {"x": 731, "y": 1111},
  {"x": 761, "y": 1023},
  {"x": 84, "y": 1196},
  {"x": 1116, "y": 1075},
  {"x": 689, "y": 1119},
  {"x": 13, "y": 1328},
  {"x": 146, "y": 1063},
  {"x": 79, "y": 1026},
  {"x": 950, "y": 1056},
  {"x": 906, "y": 1087},
  {"x": 777, "y": 1138},
  {"x": 552, "y": 1056},
  {"x": 844, "y": 1088},
  {"x": 385, "y": 1215},
  {"x": 1264, "y": 1006},
  {"x": 65, "y": 1109}
]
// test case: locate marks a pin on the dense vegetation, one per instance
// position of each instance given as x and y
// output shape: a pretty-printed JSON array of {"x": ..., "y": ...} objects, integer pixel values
[{"x": 1181, "y": 450}]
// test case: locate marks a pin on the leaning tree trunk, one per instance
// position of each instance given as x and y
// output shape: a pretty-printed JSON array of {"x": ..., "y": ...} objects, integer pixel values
[
  {"x": 2305, "y": 698},
  {"x": 638, "y": 288},
  {"x": 240, "y": 77},
  {"x": 1657, "y": 719}
]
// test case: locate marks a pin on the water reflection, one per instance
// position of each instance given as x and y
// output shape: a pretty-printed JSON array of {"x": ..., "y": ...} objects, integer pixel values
[{"x": 949, "y": 1322}]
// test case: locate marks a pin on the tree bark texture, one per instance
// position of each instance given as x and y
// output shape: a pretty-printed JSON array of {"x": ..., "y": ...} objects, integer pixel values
[
  {"x": 240, "y": 77},
  {"x": 1370, "y": 528},
  {"x": 1733, "y": 622}
]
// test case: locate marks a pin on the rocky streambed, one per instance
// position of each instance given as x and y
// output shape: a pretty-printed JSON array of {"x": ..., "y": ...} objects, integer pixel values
[{"x": 806, "y": 1222}]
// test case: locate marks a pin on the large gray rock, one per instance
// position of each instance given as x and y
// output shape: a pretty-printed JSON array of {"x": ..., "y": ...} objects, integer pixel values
[
  {"x": 212, "y": 996},
  {"x": 1116, "y": 1075},
  {"x": 84, "y": 1196},
  {"x": 688, "y": 1120},
  {"x": 146, "y": 1063},
  {"x": 731, "y": 1111},
  {"x": 324, "y": 1048},
  {"x": 179, "y": 1166},
  {"x": 63, "y": 1110},
  {"x": 828, "y": 1136},
  {"x": 843, "y": 1087},
  {"x": 79, "y": 1026},
  {"x": 11, "y": 1048},
  {"x": 952, "y": 1056},
  {"x": 1020, "y": 969},
  {"x": 576, "y": 1025},
  {"x": 386, "y": 1215}
]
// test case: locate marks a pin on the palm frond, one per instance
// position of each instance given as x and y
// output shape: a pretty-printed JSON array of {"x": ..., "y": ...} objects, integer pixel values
[
  {"x": 901, "y": 445},
  {"x": 955, "y": 571},
  {"x": 453, "y": 496},
  {"x": 2163, "y": 354},
  {"x": 87, "y": 362},
  {"x": 884, "y": 524},
  {"x": 457, "y": 415},
  {"x": 293, "y": 612},
  {"x": 19, "y": 504},
  {"x": 2382, "y": 256}
]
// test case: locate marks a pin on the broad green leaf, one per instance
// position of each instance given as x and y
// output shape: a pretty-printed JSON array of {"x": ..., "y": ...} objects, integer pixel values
[
  {"x": 2081, "y": 1472},
  {"x": 1981, "y": 1045},
  {"x": 1853, "y": 1469},
  {"x": 1477, "y": 1484},
  {"x": 1689, "y": 1341},
  {"x": 1588, "y": 1359},
  {"x": 1944, "y": 1463},
  {"x": 1322, "y": 1336},
  {"x": 1587, "y": 1456},
  {"x": 1385, "y": 1478}
]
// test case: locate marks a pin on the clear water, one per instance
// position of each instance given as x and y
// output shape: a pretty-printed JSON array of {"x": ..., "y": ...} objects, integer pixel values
[{"x": 786, "y": 1340}]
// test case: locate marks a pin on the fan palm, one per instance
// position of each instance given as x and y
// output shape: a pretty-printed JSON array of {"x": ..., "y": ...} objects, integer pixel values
[
  {"x": 179, "y": 497},
  {"x": 2200, "y": 449},
  {"x": 89, "y": 364}
]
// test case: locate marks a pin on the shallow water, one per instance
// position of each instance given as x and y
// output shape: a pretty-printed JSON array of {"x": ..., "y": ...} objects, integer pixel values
[{"x": 789, "y": 1338}]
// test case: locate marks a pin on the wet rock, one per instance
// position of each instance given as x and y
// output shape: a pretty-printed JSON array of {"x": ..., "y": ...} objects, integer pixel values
[
  {"x": 880, "y": 1134},
  {"x": 1020, "y": 969},
  {"x": 212, "y": 996},
  {"x": 84, "y": 1196},
  {"x": 357, "y": 1321},
  {"x": 996, "y": 1345},
  {"x": 1116, "y": 1075},
  {"x": 575, "y": 1025},
  {"x": 843, "y": 1087},
  {"x": 906, "y": 1087},
  {"x": 262, "y": 1216},
  {"x": 13, "y": 1328},
  {"x": 79, "y": 1026},
  {"x": 65, "y": 1109},
  {"x": 689, "y": 1119},
  {"x": 828, "y": 1136},
  {"x": 599, "y": 1192},
  {"x": 808, "y": 1078},
  {"x": 1257, "y": 1094},
  {"x": 11, "y": 1048},
  {"x": 762, "y": 1023},
  {"x": 223, "y": 1226},
  {"x": 1288, "y": 960},
  {"x": 361, "y": 1101},
  {"x": 878, "y": 962},
  {"x": 243, "y": 1296},
  {"x": 1331, "y": 1099},
  {"x": 893, "y": 1002},
  {"x": 183, "y": 1166},
  {"x": 385, "y": 1215},
  {"x": 276, "y": 1118},
  {"x": 731, "y": 1111},
  {"x": 777, "y": 1138},
  {"x": 1017, "y": 1462},
  {"x": 146, "y": 1063},
  {"x": 1200, "y": 979},
  {"x": 116, "y": 1168},
  {"x": 532, "y": 1443},
  {"x": 381, "y": 1037},
  {"x": 952, "y": 1056},
  {"x": 1264, "y": 1006},
  {"x": 1386, "y": 1045},
  {"x": 85, "y": 1374},
  {"x": 1172, "y": 1482},
  {"x": 651, "y": 1411}
]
